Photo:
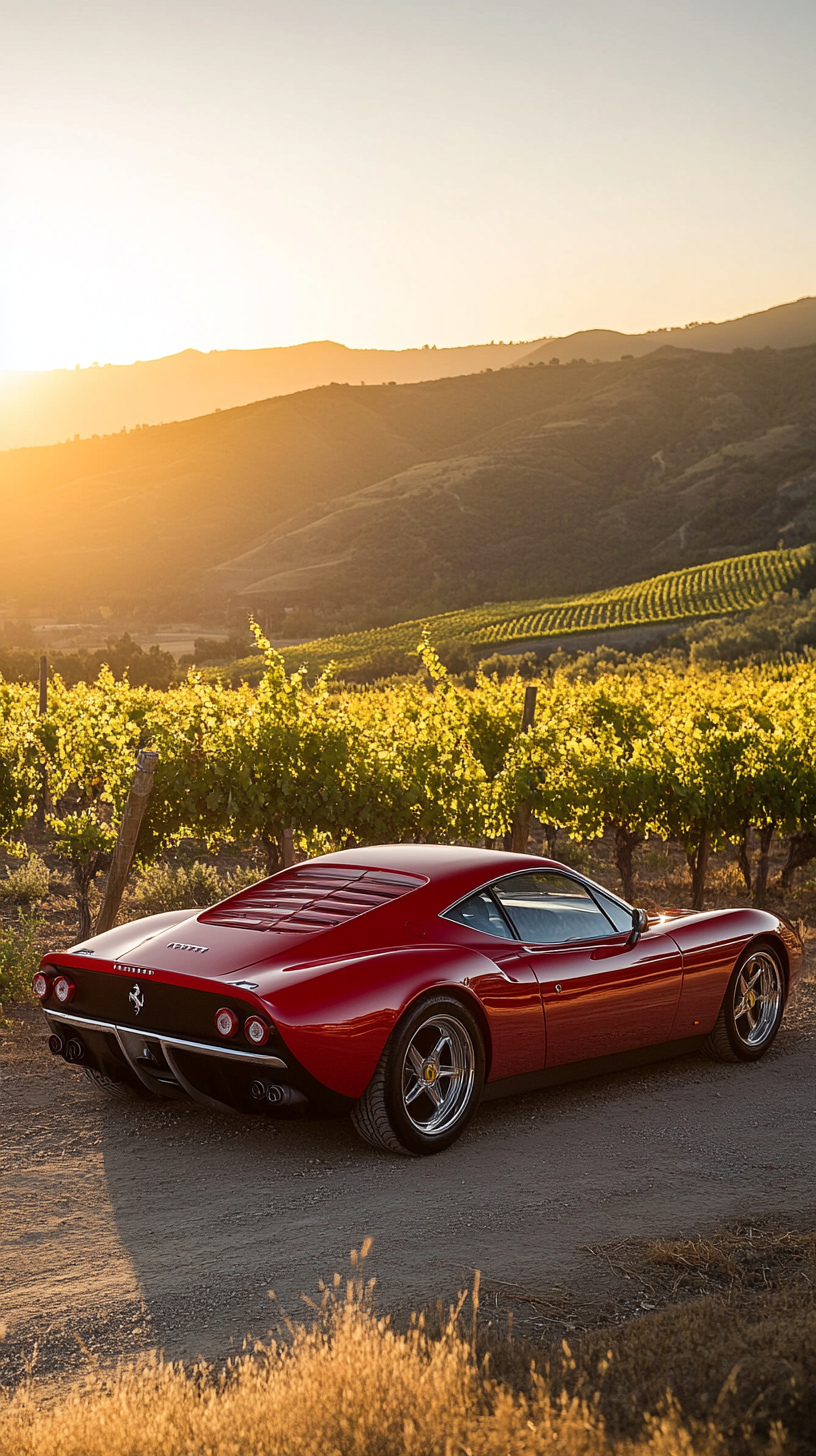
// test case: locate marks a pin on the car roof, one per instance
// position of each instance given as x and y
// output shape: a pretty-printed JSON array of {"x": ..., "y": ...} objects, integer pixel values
[{"x": 438, "y": 862}]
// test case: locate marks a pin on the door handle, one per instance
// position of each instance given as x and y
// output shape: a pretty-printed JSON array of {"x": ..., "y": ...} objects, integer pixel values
[{"x": 606, "y": 952}]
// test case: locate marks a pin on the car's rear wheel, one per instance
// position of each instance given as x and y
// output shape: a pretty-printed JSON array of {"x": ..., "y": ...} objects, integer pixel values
[
  {"x": 752, "y": 1008},
  {"x": 428, "y": 1082},
  {"x": 122, "y": 1091}
]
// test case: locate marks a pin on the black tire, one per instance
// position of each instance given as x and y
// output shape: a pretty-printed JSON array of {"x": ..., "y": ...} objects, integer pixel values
[
  {"x": 741, "y": 1033},
  {"x": 403, "y": 1109},
  {"x": 121, "y": 1091}
]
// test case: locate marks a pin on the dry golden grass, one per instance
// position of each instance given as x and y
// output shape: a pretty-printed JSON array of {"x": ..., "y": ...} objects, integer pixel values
[
  {"x": 352, "y": 1385},
  {"x": 349, "y": 1385}
]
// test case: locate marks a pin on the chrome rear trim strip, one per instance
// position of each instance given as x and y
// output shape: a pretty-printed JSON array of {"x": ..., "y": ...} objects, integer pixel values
[
  {"x": 230, "y": 1054},
  {"x": 80, "y": 1021}
]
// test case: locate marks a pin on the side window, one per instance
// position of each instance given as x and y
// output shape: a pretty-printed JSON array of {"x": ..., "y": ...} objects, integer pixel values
[
  {"x": 550, "y": 909},
  {"x": 620, "y": 915},
  {"x": 479, "y": 912}
]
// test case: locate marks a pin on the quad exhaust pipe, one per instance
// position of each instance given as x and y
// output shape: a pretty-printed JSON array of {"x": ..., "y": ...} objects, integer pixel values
[
  {"x": 72, "y": 1050},
  {"x": 276, "y": 1094}
]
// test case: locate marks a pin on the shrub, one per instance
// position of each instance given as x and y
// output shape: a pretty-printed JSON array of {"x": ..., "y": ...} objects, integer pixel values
[
  {"x": 28, "y": 884},
  {"x": 162, "y": 887},
  {"x": 247, "y": 875},
  {"x": 19, "y": 959},
  {"x": 506, "y": 664},
  {"x": 573, "y": 852},
  {"x": 456, "y": 654}
]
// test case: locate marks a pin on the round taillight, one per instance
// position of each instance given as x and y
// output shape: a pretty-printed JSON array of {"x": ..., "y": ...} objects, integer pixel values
[
  {"x": 226, "y": 1022},
  {"x": 41, "y": 985},
  {"x": 256, "y": 1030},
  {"x": 64, "y": 989}
]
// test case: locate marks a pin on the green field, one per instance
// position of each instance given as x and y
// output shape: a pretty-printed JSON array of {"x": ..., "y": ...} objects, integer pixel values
[{"x": 733, "y": 585}]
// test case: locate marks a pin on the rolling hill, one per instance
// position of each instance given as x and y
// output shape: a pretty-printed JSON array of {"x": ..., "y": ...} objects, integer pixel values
[
  {"x": 42, "y": 408},
  {"x": 364, "y": 505}
]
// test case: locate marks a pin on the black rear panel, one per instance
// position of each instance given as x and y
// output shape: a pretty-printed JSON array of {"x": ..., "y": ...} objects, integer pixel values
[{"x": 173, "y": 1009}]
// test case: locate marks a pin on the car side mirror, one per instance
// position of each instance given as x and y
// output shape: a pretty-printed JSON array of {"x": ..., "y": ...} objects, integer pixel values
[{"x": 640, "y": 922}]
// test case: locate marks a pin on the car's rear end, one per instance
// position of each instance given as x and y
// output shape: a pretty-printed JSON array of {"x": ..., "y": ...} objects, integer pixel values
[
  {"x": 179, "y": 1005},
  {"x": 166, "y": 1035}
]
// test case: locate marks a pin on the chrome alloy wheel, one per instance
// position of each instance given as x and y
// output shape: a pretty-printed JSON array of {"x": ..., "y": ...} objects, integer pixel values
[
  {"x": 438, "y": 1070},
  {"x": 757, "y": 998}
]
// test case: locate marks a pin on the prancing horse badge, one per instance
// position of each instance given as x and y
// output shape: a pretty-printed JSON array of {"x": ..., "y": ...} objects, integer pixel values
[{"x": 136, "y": 998}]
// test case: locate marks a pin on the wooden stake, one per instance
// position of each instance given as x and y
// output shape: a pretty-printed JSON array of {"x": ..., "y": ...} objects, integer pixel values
[
  {"x": 127, "y": 838},
  {"x": 521, "y": 823}
]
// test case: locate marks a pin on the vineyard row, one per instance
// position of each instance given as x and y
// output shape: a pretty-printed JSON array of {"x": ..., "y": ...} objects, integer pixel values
[
  {"x": 733, "y": 585},
  {"x": 700, "y": 758}
]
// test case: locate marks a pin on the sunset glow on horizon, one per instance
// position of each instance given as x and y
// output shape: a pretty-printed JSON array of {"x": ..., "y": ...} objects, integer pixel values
[{"x": 177, "y": 175}]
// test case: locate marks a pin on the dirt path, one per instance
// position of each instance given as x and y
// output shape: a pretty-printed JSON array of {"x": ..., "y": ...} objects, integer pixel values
[{"x": 130, "y": 1226}]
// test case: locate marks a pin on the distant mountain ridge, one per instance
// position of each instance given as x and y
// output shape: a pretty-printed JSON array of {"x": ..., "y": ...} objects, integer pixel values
[
  {"x": 786, "y": 326},
  {"x": 359, "y": 506},
  {"x": 44, "y": 408}
]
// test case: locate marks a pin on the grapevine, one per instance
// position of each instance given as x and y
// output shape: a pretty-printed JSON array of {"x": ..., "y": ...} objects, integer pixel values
[{"x": 703, "y": 757}]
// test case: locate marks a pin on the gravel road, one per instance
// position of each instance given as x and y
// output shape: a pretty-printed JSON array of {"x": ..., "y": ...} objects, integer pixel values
[{"x": 133, "y": 1226}]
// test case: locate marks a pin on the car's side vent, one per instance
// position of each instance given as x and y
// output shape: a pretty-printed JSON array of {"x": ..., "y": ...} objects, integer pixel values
[{"x": 309, "y": 898}]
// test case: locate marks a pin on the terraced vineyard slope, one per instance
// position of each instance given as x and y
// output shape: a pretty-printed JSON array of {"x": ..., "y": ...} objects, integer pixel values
[{"x": 733, "y": 585}]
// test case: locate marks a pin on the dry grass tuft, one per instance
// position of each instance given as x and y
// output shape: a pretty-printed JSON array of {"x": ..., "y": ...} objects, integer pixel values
[
  {"x": 352, "y": 1385},
  {"x": 349, "y": 1385},
  {"x": 739, "y": 1260}
]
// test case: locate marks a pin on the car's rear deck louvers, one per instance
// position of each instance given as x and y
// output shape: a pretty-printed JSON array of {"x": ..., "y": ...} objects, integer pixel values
[{"x": 309, "y": 898}]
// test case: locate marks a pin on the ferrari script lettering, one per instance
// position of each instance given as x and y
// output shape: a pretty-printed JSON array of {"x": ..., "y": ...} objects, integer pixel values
[{"x": 180, "y": 945}]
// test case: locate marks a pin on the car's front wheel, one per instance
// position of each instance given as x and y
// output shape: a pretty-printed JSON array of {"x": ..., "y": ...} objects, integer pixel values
[
  {"x": 428, "y": 1082},
  {"x": 752, "y": 1009}
]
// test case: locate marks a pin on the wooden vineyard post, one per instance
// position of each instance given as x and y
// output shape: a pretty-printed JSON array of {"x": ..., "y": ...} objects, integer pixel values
[
  {"x": 521, "y": 823},
  {"x": 42, "y": 710},
  {"x": 125, "y": 846}
]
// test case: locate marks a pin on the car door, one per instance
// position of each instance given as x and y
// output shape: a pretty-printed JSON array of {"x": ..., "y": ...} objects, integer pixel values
[
  {"x": 506, "y": 985},
  {"x": 601, "y": 993}
]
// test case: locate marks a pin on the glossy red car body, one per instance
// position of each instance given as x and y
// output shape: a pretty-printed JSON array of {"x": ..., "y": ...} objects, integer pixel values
[{"x": 332, "y": 953}]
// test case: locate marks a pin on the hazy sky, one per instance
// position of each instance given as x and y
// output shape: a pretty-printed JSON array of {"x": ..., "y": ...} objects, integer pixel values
[{"x": 240, "y": 174}]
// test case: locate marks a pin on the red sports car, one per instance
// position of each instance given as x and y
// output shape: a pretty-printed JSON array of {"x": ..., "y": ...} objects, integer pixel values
[{"x": 404, "y": 984}]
